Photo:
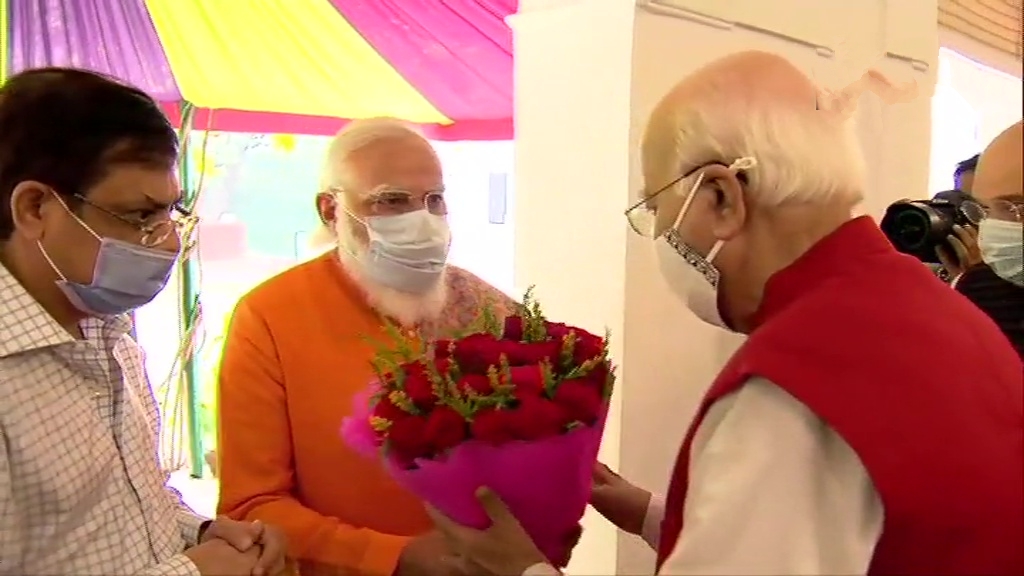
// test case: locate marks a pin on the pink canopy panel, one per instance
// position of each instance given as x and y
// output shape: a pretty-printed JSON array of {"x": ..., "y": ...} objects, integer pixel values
[{"x": 290, "y": 67}]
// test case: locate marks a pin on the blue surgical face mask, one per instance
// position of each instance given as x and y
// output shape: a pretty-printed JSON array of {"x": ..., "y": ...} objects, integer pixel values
[
  {"x": 407, "y": 252},
  {"x": 126, "y": 276},
  {"x": 1002, "y": 248}
]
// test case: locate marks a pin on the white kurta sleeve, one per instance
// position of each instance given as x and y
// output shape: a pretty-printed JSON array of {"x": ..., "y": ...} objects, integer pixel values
[
  {"x": 773, "y": 490},
  {"x": 651, "y": 532}
]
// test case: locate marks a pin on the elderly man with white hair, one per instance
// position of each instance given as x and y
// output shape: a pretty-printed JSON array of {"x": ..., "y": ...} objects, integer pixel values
[
  {"x": 298, "y": 351},
  {"x": 842, "y": 437}
]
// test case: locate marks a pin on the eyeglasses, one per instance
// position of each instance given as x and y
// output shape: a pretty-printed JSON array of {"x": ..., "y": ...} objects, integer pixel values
[
  {"x": 153, "y": 230},
  {"x": 395, "y": 202},
  {"x": 392, "y": 202},
  {"x": 1005, "y": 210},
  {"x": 642, "y": 216}
]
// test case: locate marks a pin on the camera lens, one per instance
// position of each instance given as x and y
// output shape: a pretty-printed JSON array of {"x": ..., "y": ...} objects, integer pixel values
[{"x": 911, "y": 228}]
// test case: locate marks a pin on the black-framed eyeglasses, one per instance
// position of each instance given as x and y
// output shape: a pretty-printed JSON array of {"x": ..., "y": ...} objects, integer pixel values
[{"x": 153, "y": 233}]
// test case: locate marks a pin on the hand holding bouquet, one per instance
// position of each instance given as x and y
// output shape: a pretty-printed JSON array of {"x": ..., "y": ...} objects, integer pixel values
[{"x": 517, "y": 406}]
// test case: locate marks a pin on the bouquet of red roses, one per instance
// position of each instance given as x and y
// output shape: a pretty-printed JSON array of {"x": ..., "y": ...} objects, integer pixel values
[{"x": 518, "y": 406}]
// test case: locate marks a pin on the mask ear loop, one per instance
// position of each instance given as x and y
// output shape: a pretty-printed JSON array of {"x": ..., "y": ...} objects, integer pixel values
[
  {"x": 739, "y": 165},
  {"x": 77, "y": 219},
  {"x": 49, "y": 261},
  {"x": 46, "y": 255},
  {"x": 689, "y": 200},
  {"x": 339, "y": 206}
]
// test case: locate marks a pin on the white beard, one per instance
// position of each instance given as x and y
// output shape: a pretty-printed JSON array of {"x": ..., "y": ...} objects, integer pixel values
[{"x": 407, "y": 309}]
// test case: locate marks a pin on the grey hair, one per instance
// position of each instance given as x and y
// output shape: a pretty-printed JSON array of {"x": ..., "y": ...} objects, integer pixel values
[
  {"x": 337, "y": 175},
  {"x": 801, "y": 157}
]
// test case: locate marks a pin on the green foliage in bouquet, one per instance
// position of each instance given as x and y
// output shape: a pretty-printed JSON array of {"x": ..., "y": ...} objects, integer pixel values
[{"x": 498, "y": 380}]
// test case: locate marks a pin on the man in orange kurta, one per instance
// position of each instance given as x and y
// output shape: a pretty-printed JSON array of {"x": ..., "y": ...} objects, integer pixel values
[{"x": 297, "y": 352}]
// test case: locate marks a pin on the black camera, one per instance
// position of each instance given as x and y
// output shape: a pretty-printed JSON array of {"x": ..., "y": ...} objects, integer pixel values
[{"x": 919, "y": 227}]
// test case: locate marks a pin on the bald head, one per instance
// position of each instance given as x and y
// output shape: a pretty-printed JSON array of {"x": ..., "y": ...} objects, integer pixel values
[
  {"x": 999, "y": 172},
  {"x": 759, "y": 105},
  {"x": 744, "y": 80},
  {"x": 733, "y": 85}
]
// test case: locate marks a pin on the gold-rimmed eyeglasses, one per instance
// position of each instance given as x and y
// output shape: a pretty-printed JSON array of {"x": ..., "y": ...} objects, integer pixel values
[
  {"x": 1003, "y": 209},
  {"x": 642, "y": 216},
  {"x": 394, "y": 202},
  {"x": 996, "y": 209},
  {"x": 154, "y": 231}
]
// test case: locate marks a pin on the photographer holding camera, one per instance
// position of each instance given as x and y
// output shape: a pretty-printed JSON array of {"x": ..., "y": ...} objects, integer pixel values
[
  {"x": 978, "y": 237},
  {"x": 961, "y": 251},
  {"x": 963, "y": 176}
]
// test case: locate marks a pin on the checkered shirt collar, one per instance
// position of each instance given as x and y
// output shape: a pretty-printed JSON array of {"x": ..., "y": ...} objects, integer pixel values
[{"x": 26, "y": 326}]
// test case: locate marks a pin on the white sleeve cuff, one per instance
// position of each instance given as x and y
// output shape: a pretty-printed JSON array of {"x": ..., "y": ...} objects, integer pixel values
[
  {"x": 651, "y": 532},
  {"x": 542, "y": 570}
]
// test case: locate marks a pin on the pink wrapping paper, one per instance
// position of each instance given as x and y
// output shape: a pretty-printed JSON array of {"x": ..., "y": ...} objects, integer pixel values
[{"x": 546, "y": 484}]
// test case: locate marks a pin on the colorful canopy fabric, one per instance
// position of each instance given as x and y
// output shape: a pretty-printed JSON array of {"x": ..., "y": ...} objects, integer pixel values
[{"x": 286, "y": 66}]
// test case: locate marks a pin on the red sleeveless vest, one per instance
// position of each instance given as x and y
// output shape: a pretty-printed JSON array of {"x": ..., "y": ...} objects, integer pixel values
[{"x": 919, "y": 382}]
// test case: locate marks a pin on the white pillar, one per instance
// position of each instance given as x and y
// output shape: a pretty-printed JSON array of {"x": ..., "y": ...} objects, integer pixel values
[{"x": 587, "y": 74}]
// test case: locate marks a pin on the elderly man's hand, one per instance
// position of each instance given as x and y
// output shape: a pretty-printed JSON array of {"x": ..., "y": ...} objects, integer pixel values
[
  {"x": 504, "y": 549},
  {"x": 963, "y": 252},
  {"x": 244, "y": 535},
  {"x": 622, "y": 503},
  {"x": 429, "y": 555}
]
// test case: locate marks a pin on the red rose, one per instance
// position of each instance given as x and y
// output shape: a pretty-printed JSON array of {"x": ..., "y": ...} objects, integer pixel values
[
  {"x": 513, "y": 329},
  {"x": 386, "y": 409},
  {"x": 587, "y": 346},
  {"x": 445, "y": 428},
  {"x": 522, "y": 353},
  {"x": 388, "y": 381},
  {"x": 557, "y": 330},
  {"x": 476, "y": 353},
  {"x": 407, "y": 438},
  {"x": 442, "y": 348},
  {"x": 475, "y": 383},
  {"x": 443, "y": 366},
  {"x": 493, "y": 426},
  {"x": 598, "y": 377},
  {"x": 528, "y": 380},
  {"x": 538, "y": 418},
  {"x": 417, "y": 385},
  {"x": 580, "y": 400}
]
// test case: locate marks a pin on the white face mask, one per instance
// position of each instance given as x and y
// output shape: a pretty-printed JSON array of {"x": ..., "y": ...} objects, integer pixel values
[
  {"x": 693, "y": 277},
  {"x": 1002, "y": 248},
  {"x": 407, "y": 252}
]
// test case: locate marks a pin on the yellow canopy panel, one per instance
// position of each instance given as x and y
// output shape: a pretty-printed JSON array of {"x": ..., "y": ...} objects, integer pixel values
[{"x": 310, "y": 61}]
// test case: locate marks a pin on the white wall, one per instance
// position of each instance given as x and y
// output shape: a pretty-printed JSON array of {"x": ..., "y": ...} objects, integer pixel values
[
  {"x": 587, "y": 74},
  {"x": 478, "y": 244},
  {"x": 973, "y": 103},
  {"x": 987, "y": 55}
]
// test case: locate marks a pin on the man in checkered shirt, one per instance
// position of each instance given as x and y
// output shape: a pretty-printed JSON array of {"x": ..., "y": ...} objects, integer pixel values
[{"x": 88, "y": 232}]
